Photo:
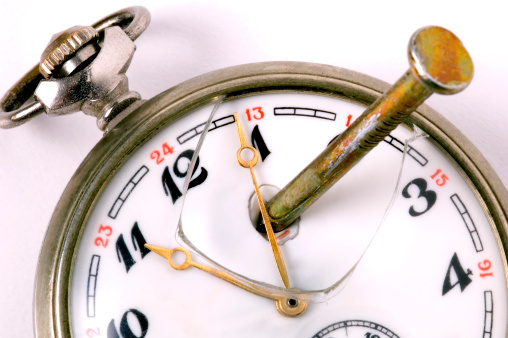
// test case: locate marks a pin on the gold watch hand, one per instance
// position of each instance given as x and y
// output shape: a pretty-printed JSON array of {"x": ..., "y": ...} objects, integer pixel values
[
  {"x": 439, "y": 63},
  {"x": 266, "y": 220},
  {"x": 287, "y": 307}
]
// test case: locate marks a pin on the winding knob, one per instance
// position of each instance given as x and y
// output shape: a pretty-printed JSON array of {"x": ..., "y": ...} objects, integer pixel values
[{"x": 73, "y": 44}]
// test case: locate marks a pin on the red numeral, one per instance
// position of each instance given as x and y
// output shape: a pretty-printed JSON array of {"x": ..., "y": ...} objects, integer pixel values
[
  {"x": 104, "y": 231},
  {"x": 101, "y": 242},
  {"x": 158, "y": 156},
  {"x": 257, "y": 113},
  {"x": 440, "y": 179},
  {"x": 93, "y": 333},
  {"x": 485, "y": 266},
  {"x": 107, "y": 229},
  {"x": 349, "y": 118},
  {"x": 166, "y": 150}
]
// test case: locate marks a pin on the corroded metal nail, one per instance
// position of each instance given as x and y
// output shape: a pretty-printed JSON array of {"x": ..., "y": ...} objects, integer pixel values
[{"x": 438, "y": 63}]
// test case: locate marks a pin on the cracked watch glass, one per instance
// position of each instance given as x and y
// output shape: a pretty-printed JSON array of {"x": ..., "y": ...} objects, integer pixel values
[
  {"x": 411, "y": 242},
  {"x": 437, "y": 248}
]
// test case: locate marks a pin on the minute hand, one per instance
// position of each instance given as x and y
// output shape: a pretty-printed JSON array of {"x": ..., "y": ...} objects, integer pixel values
[{"x": 438, "y": 63}]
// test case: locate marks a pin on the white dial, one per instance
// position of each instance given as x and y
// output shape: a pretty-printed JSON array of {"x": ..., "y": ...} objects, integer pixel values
[{"x": 430, "y": 263}]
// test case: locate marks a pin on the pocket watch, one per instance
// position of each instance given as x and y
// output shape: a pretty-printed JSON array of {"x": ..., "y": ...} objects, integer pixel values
[{"x": 270, "y": 199}]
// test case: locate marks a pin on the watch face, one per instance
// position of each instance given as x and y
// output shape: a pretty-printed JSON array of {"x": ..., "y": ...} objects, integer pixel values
[{"x": 402, "y": 246}]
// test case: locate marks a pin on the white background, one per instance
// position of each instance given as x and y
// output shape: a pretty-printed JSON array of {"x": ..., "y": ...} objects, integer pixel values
[{"x": 188, "y": 38}]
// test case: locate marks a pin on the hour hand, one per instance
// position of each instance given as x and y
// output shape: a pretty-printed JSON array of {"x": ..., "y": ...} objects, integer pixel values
[{"x": 286, "y": 306}]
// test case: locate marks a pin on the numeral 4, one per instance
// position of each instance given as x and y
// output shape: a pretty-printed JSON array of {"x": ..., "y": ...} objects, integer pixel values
[{"x": 462, "y": 276}]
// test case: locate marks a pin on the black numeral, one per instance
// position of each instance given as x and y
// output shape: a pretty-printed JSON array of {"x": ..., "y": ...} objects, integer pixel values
[
  {"x": 259, "y": 143},
  {"x": 138, "y": 241},
  {"x": 462, "y": 276},
  {"x": 168, "y": 183},
  {"x": 125, "y": 325},
  {"x": 429, "y": 195}
]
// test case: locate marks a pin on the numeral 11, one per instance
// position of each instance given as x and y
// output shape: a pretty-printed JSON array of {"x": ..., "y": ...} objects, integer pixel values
[{"x": 123, "y": 252}]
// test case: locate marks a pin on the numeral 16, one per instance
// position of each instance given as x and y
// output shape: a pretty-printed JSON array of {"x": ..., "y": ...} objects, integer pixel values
[{"x": 485, "y": 266}]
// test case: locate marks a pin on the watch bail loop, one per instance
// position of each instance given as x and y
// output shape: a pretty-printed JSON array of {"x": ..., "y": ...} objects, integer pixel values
[{"x": 68, "y": 66}]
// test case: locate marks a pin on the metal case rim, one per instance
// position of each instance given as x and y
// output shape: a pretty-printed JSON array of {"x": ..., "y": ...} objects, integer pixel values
[{"x": 51, "y": 303}]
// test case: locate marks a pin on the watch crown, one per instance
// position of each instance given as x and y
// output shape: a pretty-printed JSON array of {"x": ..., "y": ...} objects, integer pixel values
[{"x": 64, "y": 46}]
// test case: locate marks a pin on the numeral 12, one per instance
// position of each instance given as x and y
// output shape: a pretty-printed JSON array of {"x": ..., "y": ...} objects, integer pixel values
[
  {"x": 166, "y": 150},
  {"x": 168, "y": 183}
]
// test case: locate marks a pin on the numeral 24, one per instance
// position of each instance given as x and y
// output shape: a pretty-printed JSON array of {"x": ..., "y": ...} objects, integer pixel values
[{"x": 156, "y": 154}]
